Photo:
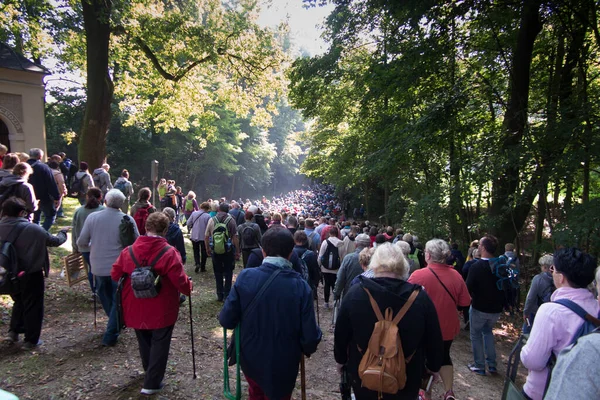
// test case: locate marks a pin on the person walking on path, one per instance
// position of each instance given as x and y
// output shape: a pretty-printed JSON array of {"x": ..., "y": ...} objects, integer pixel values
[
  {"x": 102, "y": 179},
  {"x": 45, "y": 187},
  {"x": 126, "y": 187},
  {"x": 449, "y": 293},
  {"x": 281, "y": 324},
  {"x": 153, "y": 319},
  {"x": 82, "y": 182},
  {"x": 555, "y": 324},
  {"x": 197, "y": 224},
  {"x": 101, "y": 234},
  {"x": 31, "y": 250},
  {"x": 419, "y": 329},
  {"x": 250, "y": 237},
  {"x": 93, "y": 204},
  {"x": 330, "y": 267},
  {"x": 487, "y": 304},
  {"x": 224, "y": 263}
]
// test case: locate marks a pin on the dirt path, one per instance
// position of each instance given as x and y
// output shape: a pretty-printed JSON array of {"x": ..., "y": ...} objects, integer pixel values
[{"x": 71, "y": 364}]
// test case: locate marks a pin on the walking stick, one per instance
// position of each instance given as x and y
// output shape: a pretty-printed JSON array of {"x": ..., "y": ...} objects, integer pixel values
[
  {"x": 316, "y": 297},
  {"x": 303, "y": 378},
  {"x": 95, "y": 296},
  {"x": 192, "y": 334}
]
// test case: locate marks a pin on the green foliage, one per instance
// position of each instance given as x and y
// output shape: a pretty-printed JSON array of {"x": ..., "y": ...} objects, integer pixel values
[{"x": 410, "y": 101}]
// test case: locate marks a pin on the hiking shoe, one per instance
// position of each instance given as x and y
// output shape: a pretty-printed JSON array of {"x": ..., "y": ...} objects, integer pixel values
[
  {"x": 29, "y": 345},
  {"x": 197, "y": 269},
  {"x": 478, "y": 371},
  {"x": 181, "y": 299},
  {"x": 449, "y": 395},
  {"x": 423, "y": 395},
  {"x": 152, "y": 391},
  {"x": 493, "y": 370},
  {"x": 11, "y": 337}
]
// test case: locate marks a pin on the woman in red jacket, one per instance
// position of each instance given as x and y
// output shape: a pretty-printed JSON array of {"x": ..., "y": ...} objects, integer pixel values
[{"x": 153, "y": 318}]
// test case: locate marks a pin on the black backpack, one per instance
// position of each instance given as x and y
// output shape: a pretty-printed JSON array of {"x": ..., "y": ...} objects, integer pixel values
[
  {"x": 145, "y": 283},
  {"x": 331, "y": 258},
  {"x": 8, "y": 191},
  {"x": 249, "y": 238},
  {"x": 77, "y": 186},
  {"x": 127, "y": 231},
  {"x": 10, "y": 273}
]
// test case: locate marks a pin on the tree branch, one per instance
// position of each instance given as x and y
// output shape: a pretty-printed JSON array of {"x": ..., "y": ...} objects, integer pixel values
[{"x": 154, "y": 60}]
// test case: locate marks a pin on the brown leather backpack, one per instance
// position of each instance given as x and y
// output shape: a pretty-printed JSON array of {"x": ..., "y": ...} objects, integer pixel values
[{"x": 383, "y": 366}]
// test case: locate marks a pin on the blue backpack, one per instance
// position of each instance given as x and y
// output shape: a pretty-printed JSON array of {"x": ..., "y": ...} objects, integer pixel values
[
  {"x": 505, "y": 269},
  {"x": 589, "y": 321}
]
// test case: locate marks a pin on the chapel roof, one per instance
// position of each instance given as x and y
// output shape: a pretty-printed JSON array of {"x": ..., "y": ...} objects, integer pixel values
[{"x": 10, "y": 59}]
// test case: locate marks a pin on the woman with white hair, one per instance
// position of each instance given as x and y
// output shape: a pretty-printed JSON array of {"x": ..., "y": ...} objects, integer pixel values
[
  {"x": 542, "y": 287},
  {"x": 448, "y": 291},
  {"x": 419, "y": 328}
]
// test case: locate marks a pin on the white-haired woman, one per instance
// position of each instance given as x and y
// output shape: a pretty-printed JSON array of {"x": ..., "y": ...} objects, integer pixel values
[
  {"x": 190, "y": 205},
  {"x": 419, "y": 329},
  {"x": 542, "y": 287},
  {"x": 448, "y": 291}
]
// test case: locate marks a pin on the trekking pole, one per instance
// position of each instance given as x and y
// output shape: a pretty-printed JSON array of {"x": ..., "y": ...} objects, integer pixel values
[
  {"x": 192, "y": 334},
  {"x": 316, "y": 297},
  {"x": 303, "y": 378},
  {"x": 95, "y": 296}
]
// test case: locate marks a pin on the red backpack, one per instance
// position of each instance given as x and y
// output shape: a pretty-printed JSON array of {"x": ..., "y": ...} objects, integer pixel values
[{"x": 140, "y": 217}]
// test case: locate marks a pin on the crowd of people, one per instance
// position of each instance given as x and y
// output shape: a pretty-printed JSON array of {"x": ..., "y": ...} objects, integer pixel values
[{"x": 398, "y": 303}]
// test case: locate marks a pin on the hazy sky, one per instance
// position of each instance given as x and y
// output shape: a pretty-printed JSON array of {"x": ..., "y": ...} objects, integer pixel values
[{"x": 305, "y": 23}]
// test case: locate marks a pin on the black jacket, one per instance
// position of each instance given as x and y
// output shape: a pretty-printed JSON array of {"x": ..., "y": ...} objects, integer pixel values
[
  {"x": 260, "y": 220},
  {"x": 43, "y": 182},
  {"x": 481, "y": 283},
  {"x": 419, "y": 331}
]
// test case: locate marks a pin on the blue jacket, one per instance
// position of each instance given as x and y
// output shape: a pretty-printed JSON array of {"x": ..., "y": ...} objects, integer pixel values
[
  {"x": 282, "y": 327},
  {"x": 43, "y": 182},
  {"x": 175, "y": 238}
]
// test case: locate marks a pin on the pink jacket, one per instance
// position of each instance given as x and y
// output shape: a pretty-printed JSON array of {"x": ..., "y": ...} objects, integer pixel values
[{"x": 552, "y": 331}]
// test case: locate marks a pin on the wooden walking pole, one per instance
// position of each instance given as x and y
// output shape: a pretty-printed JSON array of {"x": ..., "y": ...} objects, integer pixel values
[{"x": 303, "y": 378}]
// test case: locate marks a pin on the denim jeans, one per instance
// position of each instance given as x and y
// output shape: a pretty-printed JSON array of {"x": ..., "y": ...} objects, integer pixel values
[
  {"x": 106, "y": 289},
  {"x": 482, "y": 338},
  {"x": 223, "y": 265},
  {"x": 49, "y": 215}
]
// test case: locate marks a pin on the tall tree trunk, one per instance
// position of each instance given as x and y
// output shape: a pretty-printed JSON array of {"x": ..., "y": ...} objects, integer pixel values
[
  {"x": 539, "y": 226},
  {"x": 96, "y": 120},
  {"x": 515, "y": 121}
]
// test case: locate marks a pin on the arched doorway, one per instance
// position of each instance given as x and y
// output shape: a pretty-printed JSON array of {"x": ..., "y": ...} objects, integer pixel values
[{"x": 4, "y": 135}]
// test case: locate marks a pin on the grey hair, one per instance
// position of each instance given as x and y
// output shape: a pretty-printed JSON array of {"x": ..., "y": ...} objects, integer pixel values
[
  {"x": 169, "y": 212},
  {"x": 36, "y": 153},
  {"x": 105, "y": 166},
  {"x": 114, "y": 198},
  {"x": 438, "y": 249},
  {"x": 389, "y": 258},
  {"x": 404, "y": 246},
  {"x": 546, "y": 261},
  {"x": 407, "y": 237}
]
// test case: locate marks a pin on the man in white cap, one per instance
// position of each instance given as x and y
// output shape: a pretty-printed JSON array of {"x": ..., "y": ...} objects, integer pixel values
[{"x": 350, "y": 267}]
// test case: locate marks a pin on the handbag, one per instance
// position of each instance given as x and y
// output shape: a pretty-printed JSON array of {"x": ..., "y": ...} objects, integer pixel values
[{"x": 231, "y": 356}]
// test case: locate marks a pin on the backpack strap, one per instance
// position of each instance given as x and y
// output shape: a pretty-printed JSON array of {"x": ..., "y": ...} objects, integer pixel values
[
  {"x": 135, "y": 261},
  {"x": 15, "y": 233},
  {"x": 405, "y": 307},
  {"x": 578, "y": 310},
  {"x": 442, "y": 283},
  {"x": 258, "y": 295},
  {"x": 375, "y": 306},
  {"x": 163, "y": 251},
  {"x": 153, "y": 263}
]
